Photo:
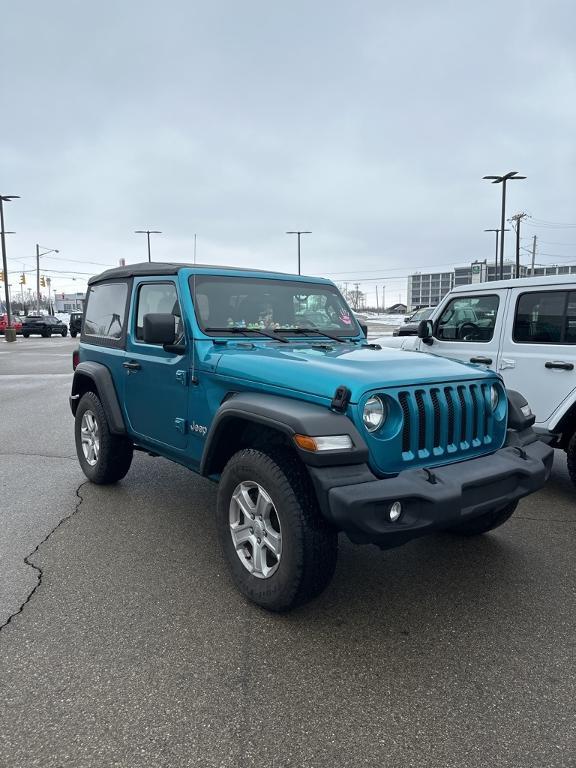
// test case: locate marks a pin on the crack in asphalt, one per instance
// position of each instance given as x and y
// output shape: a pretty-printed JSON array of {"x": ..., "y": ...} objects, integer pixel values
[
  {"x": 37, "y": 455},
  {"x": 37, "y": 568}
]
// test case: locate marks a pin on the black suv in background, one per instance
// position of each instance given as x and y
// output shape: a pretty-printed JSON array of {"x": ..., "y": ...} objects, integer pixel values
[
  {"x": 75, "y": 323},
  {"x": 43, "y": 325}
]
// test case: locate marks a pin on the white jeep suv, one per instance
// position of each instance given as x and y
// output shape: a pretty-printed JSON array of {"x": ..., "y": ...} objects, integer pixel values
[{"x": 524, "y": 330}]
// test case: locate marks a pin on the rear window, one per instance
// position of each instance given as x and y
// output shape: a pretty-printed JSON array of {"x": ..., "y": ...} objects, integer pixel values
[
  {"x": 105, "y": 318},
  {"x": 546, "y": 317}
]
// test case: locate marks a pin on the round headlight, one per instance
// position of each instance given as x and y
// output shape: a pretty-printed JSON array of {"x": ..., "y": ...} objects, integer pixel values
[
  {"x": 374, "y": 413},
  {"x": 494, "y": 397}
]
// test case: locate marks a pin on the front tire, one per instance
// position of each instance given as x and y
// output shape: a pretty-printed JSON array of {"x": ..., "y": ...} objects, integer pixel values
[
  {"x": 486, "y": 522},
  {"x": 73, "y": 334},
  {"x": 280, "y": 552},
  {"x": 64, "y": 333},
  {"x": 105, "y": 458}
]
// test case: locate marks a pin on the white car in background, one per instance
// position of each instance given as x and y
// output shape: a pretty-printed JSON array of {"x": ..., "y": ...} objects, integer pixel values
[{"x": 525, "y": 330}]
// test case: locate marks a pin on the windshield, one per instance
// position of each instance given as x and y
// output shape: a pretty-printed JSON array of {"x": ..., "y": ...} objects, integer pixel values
[
  {"x": 259, "y": 303},
  {"x": 421, "y": 314}
]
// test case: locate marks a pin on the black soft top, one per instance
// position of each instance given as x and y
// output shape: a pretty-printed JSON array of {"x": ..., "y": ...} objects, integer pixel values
[{"x": 144, "y": 268}]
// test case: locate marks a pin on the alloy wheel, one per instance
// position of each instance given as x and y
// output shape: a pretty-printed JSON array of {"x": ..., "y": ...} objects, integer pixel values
[
  {"x": 255, "y": 529},
  {"x": 90, "y": 436}
]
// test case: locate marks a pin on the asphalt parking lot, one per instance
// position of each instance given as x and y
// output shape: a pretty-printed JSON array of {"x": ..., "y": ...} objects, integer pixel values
[{"x": 123, "y": 643}]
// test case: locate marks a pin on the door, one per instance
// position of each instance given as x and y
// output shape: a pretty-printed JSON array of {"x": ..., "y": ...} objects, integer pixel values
[
  {"x": 469, "y": 328},
  {"x": 156, "y": 382},
  {"x": 538, "y": 355}
]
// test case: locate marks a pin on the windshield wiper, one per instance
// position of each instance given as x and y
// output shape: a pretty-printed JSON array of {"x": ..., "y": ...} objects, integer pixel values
[
  {"x": 314, "y": 332},
  {"x": 236, "y": 329}
]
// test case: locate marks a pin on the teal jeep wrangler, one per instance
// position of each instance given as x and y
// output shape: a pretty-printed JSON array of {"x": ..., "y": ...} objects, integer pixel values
[{"x": 265, "y": 383}]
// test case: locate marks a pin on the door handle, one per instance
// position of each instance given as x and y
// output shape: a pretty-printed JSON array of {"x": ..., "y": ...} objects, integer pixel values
[
  {"x": 560, "y": 364},
  {"x": 132, "y": 366},
  {"x": 483, "y": 360}
]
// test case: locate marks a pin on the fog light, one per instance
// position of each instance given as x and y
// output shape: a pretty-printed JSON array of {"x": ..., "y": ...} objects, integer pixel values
[{"x": 395, "y": 511}]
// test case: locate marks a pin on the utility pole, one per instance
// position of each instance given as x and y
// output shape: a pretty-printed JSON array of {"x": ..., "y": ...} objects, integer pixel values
[
  {"x": 517, "y": 218},
  {"x": 10, "y": 336},
  {"x": 383, "y": 298},
  {"x": 194, "y": 248},
  {"x": 299, "y": 232},
  {"x": 511, "y": 176},
  {"x": 377, "y": 305},
  {"x": 357, "y": 302},
  {"x": 148, "y": 232},
  {"x": 533, "y": 255}
]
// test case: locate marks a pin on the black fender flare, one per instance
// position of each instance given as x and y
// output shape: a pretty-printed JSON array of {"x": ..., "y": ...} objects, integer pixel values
[
  {"x": 289, "y": 417},
  {"x": 106, "y": 391}
]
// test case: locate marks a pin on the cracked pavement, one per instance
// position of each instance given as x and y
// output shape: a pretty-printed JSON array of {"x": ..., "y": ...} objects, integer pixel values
[{"x": 135, "y": 650}]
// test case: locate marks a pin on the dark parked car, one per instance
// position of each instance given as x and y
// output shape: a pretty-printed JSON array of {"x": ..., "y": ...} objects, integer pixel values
[
  {"x": 75, "y": 323},
  {"x": 410, "y": 327},
  {"x": 43, "y": 325}
]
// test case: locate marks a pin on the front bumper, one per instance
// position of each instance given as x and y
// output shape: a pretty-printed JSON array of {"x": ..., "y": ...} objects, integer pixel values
[{"x": 357, "y": 502}]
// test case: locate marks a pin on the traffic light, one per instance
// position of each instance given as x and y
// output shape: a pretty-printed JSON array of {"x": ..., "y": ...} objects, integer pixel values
[
  {"x": 43, "y": 281},
  {"x": 1, "y": 276},
  {"x": 22, "y": 279}
]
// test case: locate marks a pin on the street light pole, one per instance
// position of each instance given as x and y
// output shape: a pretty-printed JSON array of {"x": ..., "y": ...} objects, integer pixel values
[
  {"x": 38, "y": 254},
  {"x": 496, "y": 257},
  {"x": 6, "y": 199},
  {"x": 148, "y": 232},
  {"x": 299, "y": 232},
  {"x": 510, "y": 176}
]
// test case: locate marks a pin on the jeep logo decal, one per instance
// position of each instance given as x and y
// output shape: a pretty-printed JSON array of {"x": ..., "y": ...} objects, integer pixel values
[{"x": 200, "y": 428}]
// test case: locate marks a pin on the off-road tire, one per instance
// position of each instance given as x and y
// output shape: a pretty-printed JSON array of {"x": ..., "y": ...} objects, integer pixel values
[
  {"x": 26, "y": 335},
  {"x": 115, "y": 455},
  {"x": 64, "y": 333},
  {"x": 46, "y": 334},
  {"x": 486, "y": 522},
  {"x": 73, "y": 334},
  {"x": 571, "y": 458},
  {"x": 309, "y": 543}
]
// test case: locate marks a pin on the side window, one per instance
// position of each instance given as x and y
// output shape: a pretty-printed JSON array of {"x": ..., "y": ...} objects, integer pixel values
[
  {"x": 106, "y": 312},
  {"x": 547, "y": 317},
  {"x": 468, "y": 318},
  {"x": 156, "y": 298}
]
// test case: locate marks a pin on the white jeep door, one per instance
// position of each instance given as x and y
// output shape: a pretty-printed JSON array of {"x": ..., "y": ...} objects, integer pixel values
[
  {"x": 538, "y": 352},
  {"x": 469, "y": 326}
]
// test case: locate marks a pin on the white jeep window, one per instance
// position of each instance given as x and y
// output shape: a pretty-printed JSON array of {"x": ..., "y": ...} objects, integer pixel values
[
  {"x": 545, "y": 317},
  {"x": 468, "y": 318},
  {"x": 106, "y": 311}
]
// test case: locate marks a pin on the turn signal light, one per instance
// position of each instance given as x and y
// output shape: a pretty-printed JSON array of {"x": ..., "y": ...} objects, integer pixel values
[
  {"x": 75, "y": 359},
  {"x": 324, "y": 443}
]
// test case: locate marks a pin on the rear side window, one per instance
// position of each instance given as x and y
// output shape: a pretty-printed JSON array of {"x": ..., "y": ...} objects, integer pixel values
[
  {"x": 468, "y": 318},
  {"x": 546, "y": 317},
  {"x": 105, "y": 318}
]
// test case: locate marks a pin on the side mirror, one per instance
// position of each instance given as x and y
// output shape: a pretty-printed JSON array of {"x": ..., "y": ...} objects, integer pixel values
[
  {"x": 159, "y": 328},
  {"x": 364, "y": 329},
  {"x": 425, "y": 331}
]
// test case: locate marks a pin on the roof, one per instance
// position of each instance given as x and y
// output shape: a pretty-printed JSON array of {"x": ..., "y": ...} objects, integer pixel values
[
  {"x": 523, "y": 282},
  {"x": 145, "y": 268}
]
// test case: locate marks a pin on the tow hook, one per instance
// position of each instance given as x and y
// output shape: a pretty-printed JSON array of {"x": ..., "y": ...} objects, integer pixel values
[{"x": 431, "y": 477}]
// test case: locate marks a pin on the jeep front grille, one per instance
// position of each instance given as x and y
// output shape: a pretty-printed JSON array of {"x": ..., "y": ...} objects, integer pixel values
[{"x": 442, "y": 420}]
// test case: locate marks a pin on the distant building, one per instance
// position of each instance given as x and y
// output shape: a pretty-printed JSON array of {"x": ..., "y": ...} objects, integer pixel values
[
  {"x": 68, "y": 302},
  {"x": 428, "y": 288},
  {"x": 396, "y": 309}
]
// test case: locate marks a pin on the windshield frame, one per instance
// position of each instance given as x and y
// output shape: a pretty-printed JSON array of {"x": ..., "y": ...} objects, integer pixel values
[{"x": 307, "y": 285}]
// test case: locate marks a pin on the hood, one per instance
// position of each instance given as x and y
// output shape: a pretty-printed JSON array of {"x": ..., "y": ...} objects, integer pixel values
[{"x": 319, "y": 371}]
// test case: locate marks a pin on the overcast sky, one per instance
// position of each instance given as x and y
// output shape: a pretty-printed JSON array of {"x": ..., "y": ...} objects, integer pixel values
[{"x": 369, "y": 123}]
